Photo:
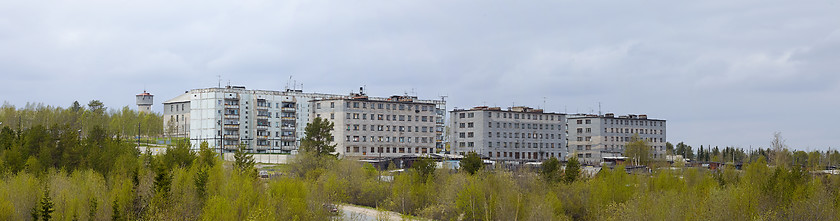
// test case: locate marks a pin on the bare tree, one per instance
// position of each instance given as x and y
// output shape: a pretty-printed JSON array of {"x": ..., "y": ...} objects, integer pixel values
[{"x": 778, "y": 145}]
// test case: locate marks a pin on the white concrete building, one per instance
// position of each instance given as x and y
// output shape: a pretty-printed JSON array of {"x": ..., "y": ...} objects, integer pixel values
[
  {"x": 263, "y": 120},
  {"x": 515, "y": 134},
  {"x": 593, "y": 137}
]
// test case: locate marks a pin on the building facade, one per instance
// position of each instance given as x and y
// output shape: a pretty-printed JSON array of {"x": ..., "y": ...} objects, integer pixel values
[
  {"x": 262, "y": 120},
  {"x": 380, "y": 127},
  {"x": 515, "y": 134},
  {"x": 593, "y": 137}
]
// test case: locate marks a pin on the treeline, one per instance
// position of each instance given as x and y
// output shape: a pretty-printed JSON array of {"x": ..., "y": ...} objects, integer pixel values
[
  {"x": 121, "y": 122},
  {"x": 781, "y": 155},
  {"x": 111, "y": 180},
  {"x": 49, "y": 174},
  {"x": 759, "y": 192}
]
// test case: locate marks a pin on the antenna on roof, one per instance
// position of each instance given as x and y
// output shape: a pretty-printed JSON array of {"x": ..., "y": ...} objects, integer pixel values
[
  {"x": 220, "y": 80},
  {"x": 599, "y": 108}
]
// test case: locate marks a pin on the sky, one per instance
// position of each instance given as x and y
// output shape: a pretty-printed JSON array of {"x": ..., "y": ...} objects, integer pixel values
[{"x": 722, "y": 73}]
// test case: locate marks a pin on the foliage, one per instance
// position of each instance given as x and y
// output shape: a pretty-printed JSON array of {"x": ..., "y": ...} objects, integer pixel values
[
  {"x": 551, "y": 170},
  {"x": 47, "y": 205},
  {"x": 572, "y": 171},
  {"x": 318, "y": 137},
  {"x": 243, "y": 162},
  {"x": 425, "y": 168},
  {"x": 472, "y": 163},
  {"x": 638, "y": 150},
  {"x": 49, "y": 173}
]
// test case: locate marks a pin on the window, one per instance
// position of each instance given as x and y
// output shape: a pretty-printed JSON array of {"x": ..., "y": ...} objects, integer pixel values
[
  {"x": 462, "y": 135},
  {"x": 470, "y": 125},
  {"x": 588, "y": 121},
  {"x": 461, "y": 115},
  {"x": 332, "y": 116},
  {"x": 470, "y": 134},
  {"x": 332, "y": 104},
  {"x": 579, "y": 121}
]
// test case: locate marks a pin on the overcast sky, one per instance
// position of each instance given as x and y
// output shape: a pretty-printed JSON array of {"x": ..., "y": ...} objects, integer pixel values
[{"x": 725, "y": 73}]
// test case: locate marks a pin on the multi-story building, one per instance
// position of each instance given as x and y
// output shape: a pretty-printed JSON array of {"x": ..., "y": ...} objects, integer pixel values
[
  {"x": 263, "y": 120},
  {"x": 593, "y": 137},
  {"x": 515, "y": 134},
  {"x": 386, "y": 127}
]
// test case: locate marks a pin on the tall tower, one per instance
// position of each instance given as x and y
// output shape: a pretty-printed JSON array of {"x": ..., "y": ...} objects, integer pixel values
[{"x": 144, "y": 102}]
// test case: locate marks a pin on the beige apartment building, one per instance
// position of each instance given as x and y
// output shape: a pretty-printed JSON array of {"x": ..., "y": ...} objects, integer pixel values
[{"x": 374, "y": 127}]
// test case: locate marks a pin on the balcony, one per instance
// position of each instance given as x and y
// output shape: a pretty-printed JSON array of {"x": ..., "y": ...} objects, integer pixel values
[
  {"x": 265, "y": 127},
  {"x": 262, "y": 137},
  {"x": 288, "y": 109},
  {"x": 231, "y": 116},
  {"x": 292, "y": 128},
  {"x": 287, "y": 138},
  {"x": 232, "y": 106},
  {"x": 231, "y": 136},
  {"x": 288, "y": 148},
  {"x": 287, "y": 118},
  {"x": 263, "y": 116},
  {"x": 232, "y": 126}
]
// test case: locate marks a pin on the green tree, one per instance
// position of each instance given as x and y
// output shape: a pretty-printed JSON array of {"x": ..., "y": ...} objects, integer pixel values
[
  {"x": 206, "y": 156},
  {"x": 243, "y": 162},
  {"x": 75, "y": 107},
  {"x": 115, "y": 208},
  {"x": 46, "y": 209},
  {"x": 96, "y": 106},
  {"x": 669, "y": 148},
  {"x": 424, "y": 167},
  {"x": 551, "y": 170},
  {"x": 638, "y": 150},
  {"x": 318, "y": 137},
  {"x": 472, "y": 163},
  {"x": 572, "y": 170},
  {"x": 179, "y": 156}
]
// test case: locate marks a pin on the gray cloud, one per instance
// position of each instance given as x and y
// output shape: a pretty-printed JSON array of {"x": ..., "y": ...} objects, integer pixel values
[{"x": 722, "y": 72}]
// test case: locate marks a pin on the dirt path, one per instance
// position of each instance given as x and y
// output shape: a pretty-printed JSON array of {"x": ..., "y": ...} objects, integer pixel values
[{"x": 356, "y": 213}]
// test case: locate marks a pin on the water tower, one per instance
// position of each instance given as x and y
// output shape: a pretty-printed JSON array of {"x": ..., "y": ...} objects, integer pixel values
[{"x": 144, "y": 102}]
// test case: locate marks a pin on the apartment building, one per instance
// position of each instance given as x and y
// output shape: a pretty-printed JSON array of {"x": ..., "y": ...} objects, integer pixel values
[
  {"x": 263, "y": 120},
  {"x": 386, "y": 127},
  {"x": 593, "y": 137},
  {"x": 515, "y": 134}
]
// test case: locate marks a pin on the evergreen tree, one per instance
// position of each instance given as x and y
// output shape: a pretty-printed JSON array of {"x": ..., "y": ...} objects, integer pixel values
[
  {"x": 115, "y": 208},
  {"x": 572, "y": 170},
  {"x": 472, "y": 163},
  {"x": 424, "y": 167},
  {"x": 550, "y": 170},
  {"x": 46, "y": 205},
  {"x": 318, "y": 137},
  {"x": 243, "y": 162},
  {"x": 206, "y": 156}
]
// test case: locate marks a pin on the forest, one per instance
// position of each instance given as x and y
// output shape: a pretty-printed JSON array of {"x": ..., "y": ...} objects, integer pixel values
[{"x": 49, "y": 172}]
